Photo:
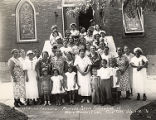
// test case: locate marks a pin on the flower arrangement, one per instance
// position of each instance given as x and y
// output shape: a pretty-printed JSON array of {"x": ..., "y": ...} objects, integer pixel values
[{"x": 82, "y": 7}]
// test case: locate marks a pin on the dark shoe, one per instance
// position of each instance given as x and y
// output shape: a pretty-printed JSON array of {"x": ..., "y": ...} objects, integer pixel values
[
  {"x": 28, "y": 102},
  {"x": 144, "y": 97},
  {"x": 73, "y": 103},
  {"x": 127, "y": 95},
  {"x": 20, "y": 102},
  {"x": 111, "y": 104},
  {"x": 39, "y": 102},
  {"x": 16, "y": 103},
  {"x": 138, "y": 97},
  {"x": 128, "y": 98},
  {"x": 34, "y": 102},
  {"x": 103, "y": 104}
]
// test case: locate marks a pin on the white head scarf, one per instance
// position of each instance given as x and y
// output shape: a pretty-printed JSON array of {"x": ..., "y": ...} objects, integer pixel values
[{"x": 137, "y": 49}]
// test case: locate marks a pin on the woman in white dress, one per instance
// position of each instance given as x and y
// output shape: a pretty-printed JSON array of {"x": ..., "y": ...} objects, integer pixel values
[
  {"x": 83, "y": 65},
  {"x": 139, "y": 63},
  {"x": 31, "y": 78}
]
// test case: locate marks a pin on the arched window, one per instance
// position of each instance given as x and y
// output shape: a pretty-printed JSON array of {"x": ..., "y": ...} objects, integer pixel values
[{"x": 26, "y": 22}]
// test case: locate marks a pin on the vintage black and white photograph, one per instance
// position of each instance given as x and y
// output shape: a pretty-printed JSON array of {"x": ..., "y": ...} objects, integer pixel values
[{"x": 77, "y": 59}]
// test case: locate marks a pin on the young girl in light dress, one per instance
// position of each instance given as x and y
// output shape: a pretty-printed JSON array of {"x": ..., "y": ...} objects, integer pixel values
[
  {"x": 116, "y": 80},
  {"x": 95, "y": 87},
  {"x": 57, "y": 89},
  {"x": 71, "y": 84}
]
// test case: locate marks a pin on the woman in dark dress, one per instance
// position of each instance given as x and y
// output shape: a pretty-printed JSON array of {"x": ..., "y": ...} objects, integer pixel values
[
  {"x": 42, "y": 63},
  {"x": 94, "y": 57}
]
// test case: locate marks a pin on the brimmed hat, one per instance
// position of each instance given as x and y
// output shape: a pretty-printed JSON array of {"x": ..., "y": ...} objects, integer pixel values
[
  {"x": 53, "y": 26},
  {"x": 30, "y": 52},
  {"x": 12, "y": 51},
  {"x": 58, "y": 37},
  {"x": 92, "y": 20},
  {"x": 44, "y": 69},
  {"x": 73, "y": 24},
  {"x": 137, "y": 49},
  {"x": 102, "y": 31}
]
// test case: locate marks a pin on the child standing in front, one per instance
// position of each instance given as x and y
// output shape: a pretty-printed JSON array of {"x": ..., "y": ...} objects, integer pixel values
[
  {"x": 46, "y": 86},
  {"x": 116, "y": 80},
  {"x": 71, "y": 84},
  {"x": 57, "y": 88},
  {"x": 105, "y": 74},
  {"x": 95, "y": 84}
]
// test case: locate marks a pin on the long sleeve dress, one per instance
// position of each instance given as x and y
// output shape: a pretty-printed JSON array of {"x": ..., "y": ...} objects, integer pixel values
[{"x": 31, "y": 85}]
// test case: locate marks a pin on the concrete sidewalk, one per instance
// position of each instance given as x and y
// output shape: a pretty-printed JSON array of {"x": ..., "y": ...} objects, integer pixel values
[
  {"x": 83, "y": 111},
  {"x": 79, "y": 111}
]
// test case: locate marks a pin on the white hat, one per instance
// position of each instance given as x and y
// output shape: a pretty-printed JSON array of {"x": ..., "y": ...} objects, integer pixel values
[
  {"x": 58, "y": 37},
  {"x": 102, "y": 31},
  {"x": 73, "y": 24},
  {"x": 137, "y": 49},
  {"x": 30, "y": 52},
  {"x": 53, "y": 26}
]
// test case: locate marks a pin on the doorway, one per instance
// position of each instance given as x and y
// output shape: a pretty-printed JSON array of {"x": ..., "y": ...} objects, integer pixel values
[{"x": 84, "y": 18}]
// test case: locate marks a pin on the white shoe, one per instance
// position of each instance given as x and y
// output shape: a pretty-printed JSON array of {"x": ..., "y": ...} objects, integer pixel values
[
  {"x": 88, "y": 101},
  {"x": 49, "y": 103},
  {"x": 83, "y": 100},
  {"x": 45, "y": 103}
]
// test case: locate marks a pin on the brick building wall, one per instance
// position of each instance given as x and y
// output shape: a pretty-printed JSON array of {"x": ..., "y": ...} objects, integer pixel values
[
  {"x": 45, "y": 17},
  {"x": 114, "y": 27}
]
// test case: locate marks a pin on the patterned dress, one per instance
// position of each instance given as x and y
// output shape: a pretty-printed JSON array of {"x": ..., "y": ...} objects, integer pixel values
[
  {"x": 43, "y": 64},
  {"x": 130, "y": 69},
  {"x": 95, "y": 59},
  {"x": 58, "y": 63},
  {"x": 19, "y": 85},
  {"x": 39, "y": 66},
  {"x": 124, "y": 79}
]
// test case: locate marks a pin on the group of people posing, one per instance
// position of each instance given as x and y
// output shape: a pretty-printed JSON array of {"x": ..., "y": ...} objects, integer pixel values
[{"x": 79, "y": 64}]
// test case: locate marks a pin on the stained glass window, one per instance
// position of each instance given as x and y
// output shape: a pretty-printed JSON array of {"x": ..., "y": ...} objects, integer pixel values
[{"x": 26, "y": 22}]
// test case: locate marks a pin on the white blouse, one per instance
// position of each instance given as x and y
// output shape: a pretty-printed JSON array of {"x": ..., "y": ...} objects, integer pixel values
[
  {"x": 104, "y": 73},
  {"x": 138, "y": 61},
  {"x": 82, "y": 62}
]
